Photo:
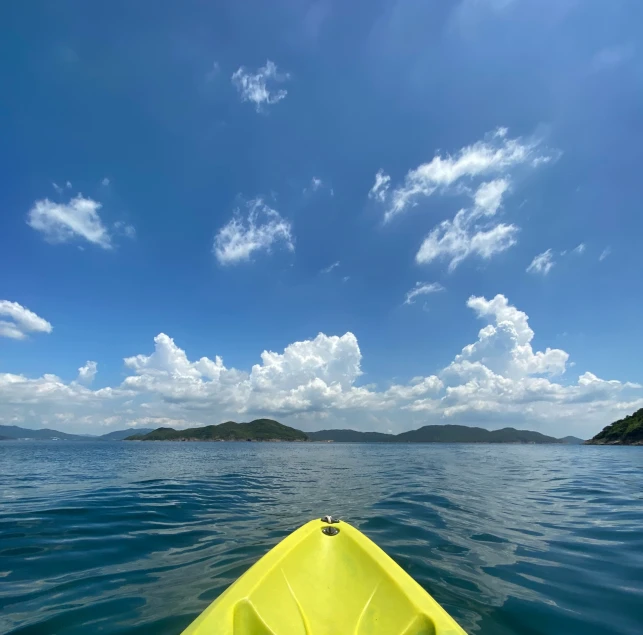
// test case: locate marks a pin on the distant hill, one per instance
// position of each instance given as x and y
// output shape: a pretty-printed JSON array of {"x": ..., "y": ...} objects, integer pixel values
[
  {"x": 467, "y": 434},
  {"x": 16, "y": 432},
  {"x": 119, "y": 435},
  {"x": 44, "y": 434},
  {"x": 627, "y": 431},
  {"x": 436, "y": 434},
  {"x": 258, "y": 430},
  {"x": 572, "y": 441},
  {"x": 3, "y": 438},
  {"x": 270, "y": 430}
]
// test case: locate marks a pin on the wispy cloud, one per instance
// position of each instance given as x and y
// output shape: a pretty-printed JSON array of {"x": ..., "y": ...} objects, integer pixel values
[
  {"x": 262, "y": 228},
  {"x": 62, "y": 222},
  {"x": 379, "y": 190},
  {"x": 495, "y": 154},
  {"x": 469, "y": 233},
  {"x": 21, "y": 321},
  {"x": 473, "y": 231},
  {"x": 605, "y": 253},
  {"x": 330, "y": 267},
  {"x": 542, "y": 263},
  {"x": 254, "y": 87},
  {"x": 315, "y": 184},
  {"x": 580, "y": 249},
  {"x": 422, "y": 288},
  {"x": 459, "y": 239},
  {"x": 60, "y": 189}
]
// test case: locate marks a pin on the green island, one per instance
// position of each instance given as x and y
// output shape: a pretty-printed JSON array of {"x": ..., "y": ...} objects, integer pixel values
[
  {"x": 270, "y": 430},
  {"x": 627, "y": 431},
  {"x": 440, "y": 434},
  {"x": 257, "y": 430}
]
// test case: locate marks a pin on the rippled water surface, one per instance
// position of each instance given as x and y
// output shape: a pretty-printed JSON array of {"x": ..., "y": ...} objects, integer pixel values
[{"x": 119, "y": 537}]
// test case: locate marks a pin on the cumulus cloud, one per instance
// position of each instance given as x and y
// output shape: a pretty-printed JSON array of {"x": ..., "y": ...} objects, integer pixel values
[
  {"x": 422, "y": 288},
  {"x": 504, "y": 346},
  {"x": 87, "y": 372},
  {"x": 542, "y": 263},
  {"x": 499, "y": 379},
  {"x": 254, "y": 87},
  {"x": 21, "y": 321},
  {"x": 260, "y": 230}
]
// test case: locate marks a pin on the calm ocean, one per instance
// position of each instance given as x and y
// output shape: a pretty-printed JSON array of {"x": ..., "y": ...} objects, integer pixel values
[{"x": 119, "y": 537}]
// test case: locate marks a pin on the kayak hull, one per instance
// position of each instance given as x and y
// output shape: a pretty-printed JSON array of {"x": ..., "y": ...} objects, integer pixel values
[{"x": 313, "y": 583}]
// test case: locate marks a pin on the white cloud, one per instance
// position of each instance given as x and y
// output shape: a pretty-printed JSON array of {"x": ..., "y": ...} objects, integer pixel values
[
  {"x": 505, "y": 346},
  {"x": 496, "y": 154},
  {"x": 87, "y": 372},
  {"x": 241, "y": 237},
  {"x": 605, "y": 253},
  {"x": 497, "y": 380},
  {"x": 542, "y": 263},
  {"x": 62, "y": 222},
  {"x": 254, "y": 87},
  {"x": 459, "y": 239},
  {"x": 105, "y": 182},
  {"x": 470, "y": 233},
  {"x": 418, "y": 387},
  {"x": 379, "y": 191},
  {"x": 21, "y": 321},
  {"x": 422, "y": 288},
  {"x": 330, "y": 267},
  {"x": 580, "y": 249},
  {"x": 473, "y": 231},
  {"x": 488, "y": 196}
]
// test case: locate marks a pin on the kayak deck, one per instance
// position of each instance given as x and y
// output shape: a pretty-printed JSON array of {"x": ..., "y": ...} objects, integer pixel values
[{"x": 313, "y": 583}]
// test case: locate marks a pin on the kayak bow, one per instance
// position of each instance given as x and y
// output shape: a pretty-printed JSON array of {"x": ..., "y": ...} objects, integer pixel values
[{"x": 326, "y": 578}]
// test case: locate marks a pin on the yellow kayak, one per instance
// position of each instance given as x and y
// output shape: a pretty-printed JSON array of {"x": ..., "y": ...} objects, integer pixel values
[{"x": 326, "y": 578}]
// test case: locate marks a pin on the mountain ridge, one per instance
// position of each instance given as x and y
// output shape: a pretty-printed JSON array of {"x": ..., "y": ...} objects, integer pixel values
[
  {"x": 449, "y": 433},
  {"x": 269, "y": 429},
  {"x": 47, "y": 434}
]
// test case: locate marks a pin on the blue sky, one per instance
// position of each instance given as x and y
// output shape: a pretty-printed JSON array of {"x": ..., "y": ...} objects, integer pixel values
[{"x": 192, "y": 173}]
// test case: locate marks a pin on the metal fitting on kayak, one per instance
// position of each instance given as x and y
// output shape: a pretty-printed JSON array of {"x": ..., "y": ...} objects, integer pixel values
[
  {"x": 330, "y": 531},
  {"x": 330, "y": 520}
]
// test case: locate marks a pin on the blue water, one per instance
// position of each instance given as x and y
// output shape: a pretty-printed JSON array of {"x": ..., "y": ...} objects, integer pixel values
[{"x": 119, "y": 537}]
